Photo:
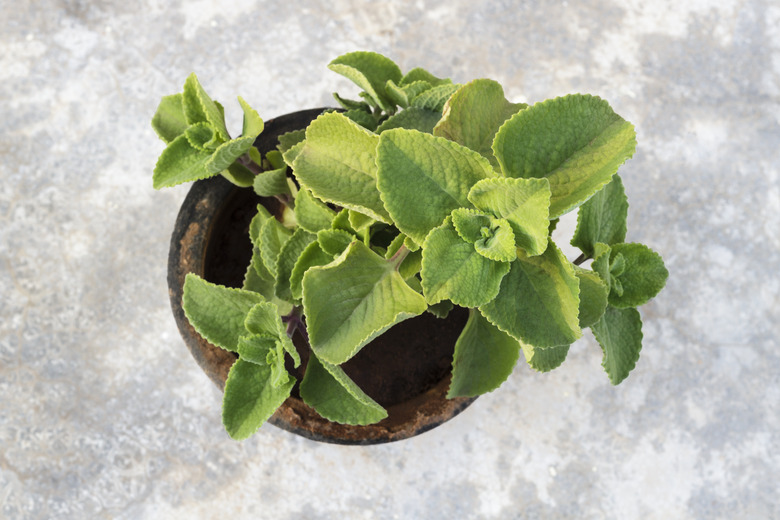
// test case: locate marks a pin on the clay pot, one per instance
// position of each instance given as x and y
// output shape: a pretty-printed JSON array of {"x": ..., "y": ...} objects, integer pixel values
[{"x": 407, "y": 369}]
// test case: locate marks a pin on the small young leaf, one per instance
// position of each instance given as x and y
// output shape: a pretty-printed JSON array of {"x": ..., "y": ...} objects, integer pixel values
[
  {"x": 642, "y": 275},
  {"x": 602, "y": 218},
  {"x": 545, "y": 359},
  {"x": 363, "y": 118},
  {"x": 412, "y": 118},
  {"x": 350, "y": 104},
  {"x": 334, "y": 241},
  {"x": 353, "y": 300},
  {"x": 435, "y": 98},
  {"x": 402, "y": 95},
  {"x": 179, "y": 163},
  {"x": 217, "y": 313},
  {"x": 422, "y": 178},
  {"x": 369, "y": 71},
  {"x": 442, "y": 309},
  {"x": 202, "y": 137},
  {"x": 593, "y": 296},
  {"x": 358, "y": 221},
  {"x": 254, "y": 348},
  {"x": 524, "y": 203},
  {"x": 311, "y": 213},
  {"x": 474, "y": 114},
  {"x": 271, "y": 183},
  {"x": 272, "y": 236},
  {"x": 263, "y": 319},
  {"x": 577, "y": 142},
  {"x": 341, "y": 222},
  {"x": 257, "y": 277},
  {"x": 484, "y": 358},
  {"x": 168, "y": 120},
  {"x": 338, "y": 165},
  {"x": 312, "y": 256},
  {"x": 453, "y": 270},
  {"x": 290, "y": 155},
  {"x": 253, "y": 123},
  {"x": 239, "y": 175},
  {"x": 228, "y": 152},
  {"x": 497, "y": 241},
  {"x": 619, "y": 332},
  {"x": 469, "y": 223},
  {"x": 199, "y": 107},
  {"x": 290, "y": 139},
  {"x": 288, "y": 257},
  {"x": 330, "y": 391},
  {"x": 420, "y": 74},
  {"x": 538, "y": 302},
  {"x": 250, "y": 399},
  {"x": 257, "y": 223}
]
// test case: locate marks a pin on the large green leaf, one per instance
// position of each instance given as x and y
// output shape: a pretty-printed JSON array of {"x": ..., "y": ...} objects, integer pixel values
[
  {"x": 413, "y": 118},
  {"x": 216, "y": 312},
  {"x": 525, "y": 203},
  {"x": 250, "y": 398},
  {"x": 484, "y": 358},
  {"x": 619, "y": 332},
  {"x": 538, "y": 302},
  {"x": 641, "y": 277},
  {"x": 422, "y": 178},
  {"x": 352, "y": 300},
  {"x": 338, "y": 164},
  {"x": 180, "y": 162},
  {"x": 473, "y": 115},
  {"x": 369, "y": 71},
  {"x": 602, "y": 218},
  {"x": 545, "y": 359},
  {"x": 330, "y": 391},
  {"x": 169, "y": 121},
  {"x": 199, "y": 107},
  {"x": 452, "y": 269},
  {"x": 577, "y": 142}
]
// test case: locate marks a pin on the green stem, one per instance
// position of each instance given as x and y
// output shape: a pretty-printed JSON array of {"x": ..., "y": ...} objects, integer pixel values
[{"x": 397, "y": 259}]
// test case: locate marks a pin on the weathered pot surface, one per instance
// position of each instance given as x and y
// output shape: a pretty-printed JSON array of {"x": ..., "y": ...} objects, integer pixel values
[{"x": 406, "y": 370}]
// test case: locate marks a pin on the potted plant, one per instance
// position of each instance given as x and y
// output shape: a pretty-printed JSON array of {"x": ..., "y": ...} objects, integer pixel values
[{"x": 422, "y": 198}]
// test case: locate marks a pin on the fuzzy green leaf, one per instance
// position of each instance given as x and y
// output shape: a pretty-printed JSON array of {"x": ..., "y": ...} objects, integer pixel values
[
  {"x": 497, "y": 241},
  {"x": 254, "y": 348},
  {"x": 311, "y": 213},
  {"x": 239, "y": 175},
  {"x": 363, "y": 118},
  {"x": 202, "y": 137},
  {"x": 330, "y": 391},
  {"x": 470, "y": 222},
  {"x": 217, "y": 313},
  {"x": 250, "y": 399},
  {"x": 351, "y": 104},
  {"x": 593, "y": 296},
  {"x": 538, "y": 302},
  {"x": 169, "y": 121},
  {"x": 257, "y": 277},
  {"x": 358, "y": 221},
  {"x": 338, "y": 164},
  {"x": 227, "y": 153},
  {"x": 412, "y": 118},
  {"x": 435, "y": 98},
  {"x": 290, "y": 139},
  {"x": 577, "y": 142},
  {"x": 619, "y": 332},
  {"x": 602, "y": 218},
  {"x": 484, "y": 358},
  {"x": 312, "y": 256},
  {"x": 263, "y": 319},
  {"x": 420, "y": 74},
  {"x": 642, "y": 275},
  {"x": 473, "y": 115},
  {"x": 545, "y": 359},
  {"x": 353, "y": 300},
  {"x": 271, "y": 183},
  {"x": 180, "y": 163},
  {"x": 524, "y": 203},
  {"x": 422, "y": 178},
  {"x": 453, "y": 270},
  {"x": 288, "y": 257},
  {"x": 442, "y": 309},
  {"x": 290, "y": 155},
  {"x": 369, "y": 71},
  {"x": 199, "y": 107},
  {"x": 334, "y": 241},
  {"x": 272, "y": 236},
  {"x": 403, "y": 95}
]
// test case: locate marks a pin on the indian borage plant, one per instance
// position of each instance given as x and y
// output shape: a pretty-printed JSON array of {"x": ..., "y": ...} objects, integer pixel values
[{"x": 420, "y": 196}]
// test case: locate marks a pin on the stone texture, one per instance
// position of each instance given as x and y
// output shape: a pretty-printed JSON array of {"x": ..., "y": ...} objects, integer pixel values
[{"x": 105, "y": 415}]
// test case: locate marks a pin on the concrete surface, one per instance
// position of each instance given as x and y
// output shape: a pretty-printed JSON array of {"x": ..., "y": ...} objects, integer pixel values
[{"x": 103, "y": 413}]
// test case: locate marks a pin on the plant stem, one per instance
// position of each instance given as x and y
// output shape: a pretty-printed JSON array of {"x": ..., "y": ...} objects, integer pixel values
[
  {"x": 399, "y": 256},
  {"x": 580, "y": 259}
]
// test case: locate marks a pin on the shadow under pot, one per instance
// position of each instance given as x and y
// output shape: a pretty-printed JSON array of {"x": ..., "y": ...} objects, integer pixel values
[{"x": 407, "y": 369}]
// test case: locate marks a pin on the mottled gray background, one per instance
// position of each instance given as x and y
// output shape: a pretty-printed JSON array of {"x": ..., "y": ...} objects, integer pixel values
[{"x": 105, "y": 415}]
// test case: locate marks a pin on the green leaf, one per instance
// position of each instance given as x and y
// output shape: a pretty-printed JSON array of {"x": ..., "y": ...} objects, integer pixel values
[
  {"x": 334, "y": 241},
  {"x": 254, "y": 348},
  {"x": 642, "y": 276},
  {"x": 442, "y": 309},
  {"x": 619, "y": 332},
  {"x": 363, "y": 118},
  {"x": 257, "y": 277},
  {"x": 290, "y": 139},
  {"x": 288, "y": 257},
  {"x": 545, "y": 359},
  {"x": 290, "y": 155},
  {"x": 497, "y": 241},
  {"x": 358, "y": 221},
  {"x": 239, "y": 175},
  {"x": 402, "y": 95},
  {"x": 227, "y": 153},
  {"x": 524, "y": 203},
  {"x": 369, "y": 71},
  {"x": 422, "y": 178},
  {"x": 272, "y": 236},
  {"x": 168, "y": 120},
  {"x": 253, "y": 123},
  {"x": 435, "y": 98},
  {"x": 202, "y": 137},
  {"x": 338, "y": 165},
  {"x": 474, "y": 114},
  {"x": 538, "y": 302},
  {"x": 199, "y": 107},
  {"x": 217, "y": 313},
  {"x": 311, "y": 213},
  {"x": 577, "y": 142},
  {"x": 453, "y": 270},
  {"x": 312, "y": 256},
  {"x": 250, "y": 399},
  {"x": 420, "y": 74},
  {"x": 600, "y": 265},
  {"x": 341, "y": 222},
  {"x": 271, "y": 183},
  {"x": 602, "y": 218},
  {"x": 330, "y": 391},
  {"x": 412, "y": 119},
  {"x": 180, "y": 163},
  {"x": 257, "y": 223},
  {"x": 350, "y": 104},
  {"x": 470, "y": 222},
  {"x": 593, "y": 296},
  {"x": 353, "y": 300},
  {"x": 263, "y": 319},
  {"x": 484, "y": 358}
]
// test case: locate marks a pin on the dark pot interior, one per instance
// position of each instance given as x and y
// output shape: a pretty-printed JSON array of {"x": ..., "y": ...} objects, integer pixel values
[{"x": 406, "y": 370}]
